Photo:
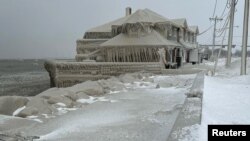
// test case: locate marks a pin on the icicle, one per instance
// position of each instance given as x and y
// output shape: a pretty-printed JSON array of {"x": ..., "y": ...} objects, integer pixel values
[
  {"x": 175, "y": 55},
  {"x": 154, "y": 57},
  {"x": 136, "y": 59},
  {"x": 117, "y": 55},
  {"x": 150, "y": 55},
  {"x": 132, "y": 54},
  {"x": 112, "y": 52},
  {"x": 144, "y": 55},
  {"x": 129, "y": 57},
  {"x": 145, "y": 52},
  {"x": 139, "y": 53},
  {"x": 107, "y": 58},
  {"x": 171, "y": 56},
  {"x": 124, "y": 55}
]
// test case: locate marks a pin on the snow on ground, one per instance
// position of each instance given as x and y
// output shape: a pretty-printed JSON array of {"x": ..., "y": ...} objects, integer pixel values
[
  {"x": 18, "y": 110},
  {"x": 144, "y": 109},
  {"x": 141, "y": 111},
  {"x": 138, "y": 115},
  {"x": 225, "y": 100}
]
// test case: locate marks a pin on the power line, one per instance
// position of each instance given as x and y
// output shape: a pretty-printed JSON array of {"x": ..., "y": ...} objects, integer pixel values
[
  {"x": 206, "y": 30},
  {"x": 215, "y": 7},
  {"x": 214, "y": 33},
  {"x": 222, "y": 15},
  {"x": 241, "y": 36},
  {"x": 223, "y": 29}
]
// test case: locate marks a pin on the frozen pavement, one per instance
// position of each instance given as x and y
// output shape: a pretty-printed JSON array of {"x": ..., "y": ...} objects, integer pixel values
[{"x": 141, "y": 111}]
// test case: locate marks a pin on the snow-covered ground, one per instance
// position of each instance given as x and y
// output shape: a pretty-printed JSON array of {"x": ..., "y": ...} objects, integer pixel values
[
  {"x": 226, "y": 100},
  {"x": 141, "y": 109}
]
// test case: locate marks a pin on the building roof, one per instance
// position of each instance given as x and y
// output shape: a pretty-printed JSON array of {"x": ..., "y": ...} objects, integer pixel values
[
  {"x": 153, "y": 39},
  {"x": 144, "y": 15},
  {"x": 188, "y": 45},
  {"x": 181, "y": 22},
  {"x": 107, "y": 27},
  {"x": 194, "y": 29}
]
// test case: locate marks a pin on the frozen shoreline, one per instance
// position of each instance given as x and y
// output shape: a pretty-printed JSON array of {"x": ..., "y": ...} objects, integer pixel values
[{"x": 133, "y": 108}]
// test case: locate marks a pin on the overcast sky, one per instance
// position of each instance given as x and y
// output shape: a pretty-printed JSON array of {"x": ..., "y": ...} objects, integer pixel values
[{"x": 50, "y": 28}]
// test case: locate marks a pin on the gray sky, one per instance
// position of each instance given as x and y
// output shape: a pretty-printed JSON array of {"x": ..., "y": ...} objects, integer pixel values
[{"x": 49, "y": 28}]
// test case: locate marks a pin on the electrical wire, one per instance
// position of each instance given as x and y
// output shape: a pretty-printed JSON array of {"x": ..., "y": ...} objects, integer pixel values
[
  {"x": 215, "y": 7},
  {"x": 224, "y": 27},
  {"x": 205, "y": 30},
  {"x": 222, "y": 15}
]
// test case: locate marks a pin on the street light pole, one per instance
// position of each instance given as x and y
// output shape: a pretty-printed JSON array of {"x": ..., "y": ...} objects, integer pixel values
[
  {"x": 244, "y": 39},
  {"x": 230, "y": 35}
]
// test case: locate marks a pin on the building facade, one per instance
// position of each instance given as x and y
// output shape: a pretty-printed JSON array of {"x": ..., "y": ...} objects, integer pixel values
[{"x": 128, "y": 44}]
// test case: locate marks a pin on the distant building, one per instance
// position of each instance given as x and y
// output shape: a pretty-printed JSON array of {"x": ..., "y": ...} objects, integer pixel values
[{"x": 128, "y": 44}]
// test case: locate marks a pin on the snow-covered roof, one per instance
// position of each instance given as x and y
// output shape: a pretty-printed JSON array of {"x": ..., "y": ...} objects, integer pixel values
[
  {"x": 194, "y": 29},
  {"x": 145, "y": 15},
  {"x": 181, "y": 22},
  {"x": 107, "y": 27},
  {"x": 151, "y": 39},
  {"x": 140, "y": 15},
  {"x": 188, "y": 45}
]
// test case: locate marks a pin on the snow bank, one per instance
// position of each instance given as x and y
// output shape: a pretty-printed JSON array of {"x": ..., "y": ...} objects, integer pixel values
[
  {"x": 130, "y": 106},
  {"x": 225, "y": 100},
  {"x": 60, "y": 100},
  {"x": 230, "y": 97},
  {"x": 9, "y": 104}
]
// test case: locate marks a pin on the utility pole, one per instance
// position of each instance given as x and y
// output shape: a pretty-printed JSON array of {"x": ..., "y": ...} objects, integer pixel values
[
  {"x": 230, "y": 35},
  {"x": 214, "y": 34},
  {"x": 244, "y": 39}
]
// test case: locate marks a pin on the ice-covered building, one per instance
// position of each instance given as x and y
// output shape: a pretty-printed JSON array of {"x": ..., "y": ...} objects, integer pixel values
[{"x": 128, "y": 44}]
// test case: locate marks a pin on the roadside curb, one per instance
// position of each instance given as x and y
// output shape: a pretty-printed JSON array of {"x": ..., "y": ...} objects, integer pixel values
[{"x": 191, "y": 111}]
